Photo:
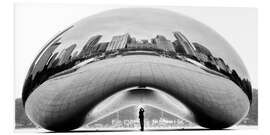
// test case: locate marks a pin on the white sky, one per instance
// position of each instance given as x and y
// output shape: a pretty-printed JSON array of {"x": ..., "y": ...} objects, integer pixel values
[{"x": 36, "y": 24}]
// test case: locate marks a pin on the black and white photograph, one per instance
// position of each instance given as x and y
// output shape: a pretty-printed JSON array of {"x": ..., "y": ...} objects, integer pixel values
[{"x": 122, "y": 68}]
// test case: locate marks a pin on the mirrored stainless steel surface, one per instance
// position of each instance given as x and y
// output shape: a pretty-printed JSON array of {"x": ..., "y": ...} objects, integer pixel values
[{"x": 139, "y": 31}]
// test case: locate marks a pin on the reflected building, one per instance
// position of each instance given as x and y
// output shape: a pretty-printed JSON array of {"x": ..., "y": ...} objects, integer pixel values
[
  {"x": 55, "y": 63},
  {"x": 221, "y": 65},
  {"x": 52, "y": 59},
  {"x": 143, "y": 44},
  {"x": 99, "y": 48},
  {"x": 86, "y": 51},
  {"x": 133, "y": 43},
  {"x": 179, "y": 48},
  {"x": 163, "y": 44},
  {"x": 65, "y": 57},
  {"x": 201, "y": 49},
  {"x": 144, "y": 41},
  {"x": 94, "y": 49},
  {"x": 74, "y": 56},
  {"x": 45, "y": 57},
  {"x": 183, "y": 41},
  {"x": 133, "y": 40},
  {"x": 118, "y": 42},
  {"x": 202, "y": 53},
  {"x": 102, "y": 46},
  {"x": 61, "y": 56}
]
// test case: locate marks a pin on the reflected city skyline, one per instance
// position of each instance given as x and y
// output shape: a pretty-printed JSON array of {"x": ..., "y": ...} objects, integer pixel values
[{"x": 54, "y": 63}]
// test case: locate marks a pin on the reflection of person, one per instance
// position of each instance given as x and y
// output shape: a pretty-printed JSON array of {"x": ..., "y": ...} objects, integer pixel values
[{"x": 141, "y": 117}]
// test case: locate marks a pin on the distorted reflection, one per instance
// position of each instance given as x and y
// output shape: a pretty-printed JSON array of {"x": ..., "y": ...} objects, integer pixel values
[{"x": 52, "y": 63}]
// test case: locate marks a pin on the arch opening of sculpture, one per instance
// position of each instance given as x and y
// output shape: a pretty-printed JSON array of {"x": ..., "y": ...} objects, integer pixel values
[{"x": 99, "y": 57}]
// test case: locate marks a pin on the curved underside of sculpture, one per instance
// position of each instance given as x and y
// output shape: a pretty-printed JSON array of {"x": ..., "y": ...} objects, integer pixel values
[{"x": 92, "y": 91}]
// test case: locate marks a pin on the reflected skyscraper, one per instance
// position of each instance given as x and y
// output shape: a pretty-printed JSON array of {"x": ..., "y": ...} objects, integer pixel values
[
  {"x": 221, "y": 64},
  {"x": 45, "y": 57},
  {"x": 182, "y": 40},
  {"x": 66, "y": 56},
  {"x": 201, "y": 49},
  {"x": 86, "y": 51},
  {"x": 179, "y": 48},
  {"x": 52, "y": 59},
  {"x": 118, "y": 42},
  {"x": 74, "y": 56},
  {"x": 102, "y": 46},
  {"x": 163, "y": 44},
  {"x": 203, "y": 54}
]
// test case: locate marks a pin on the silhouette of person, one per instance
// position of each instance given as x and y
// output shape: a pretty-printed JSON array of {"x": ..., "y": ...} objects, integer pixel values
[{"x": 141, "y": 117}]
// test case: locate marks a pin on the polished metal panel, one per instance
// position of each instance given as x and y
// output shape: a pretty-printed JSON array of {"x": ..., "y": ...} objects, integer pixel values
[{"x": 139, "y": 31}]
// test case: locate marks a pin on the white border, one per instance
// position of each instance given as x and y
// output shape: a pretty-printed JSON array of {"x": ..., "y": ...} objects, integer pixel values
[{"x": 7, "y": 74}]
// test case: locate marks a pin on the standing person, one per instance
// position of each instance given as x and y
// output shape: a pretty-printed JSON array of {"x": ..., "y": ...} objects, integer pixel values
[{"x": 141, "y": 117}]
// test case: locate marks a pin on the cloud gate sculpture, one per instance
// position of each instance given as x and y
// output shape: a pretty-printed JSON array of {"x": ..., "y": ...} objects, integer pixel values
[{"x": 126, "y": 57}]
